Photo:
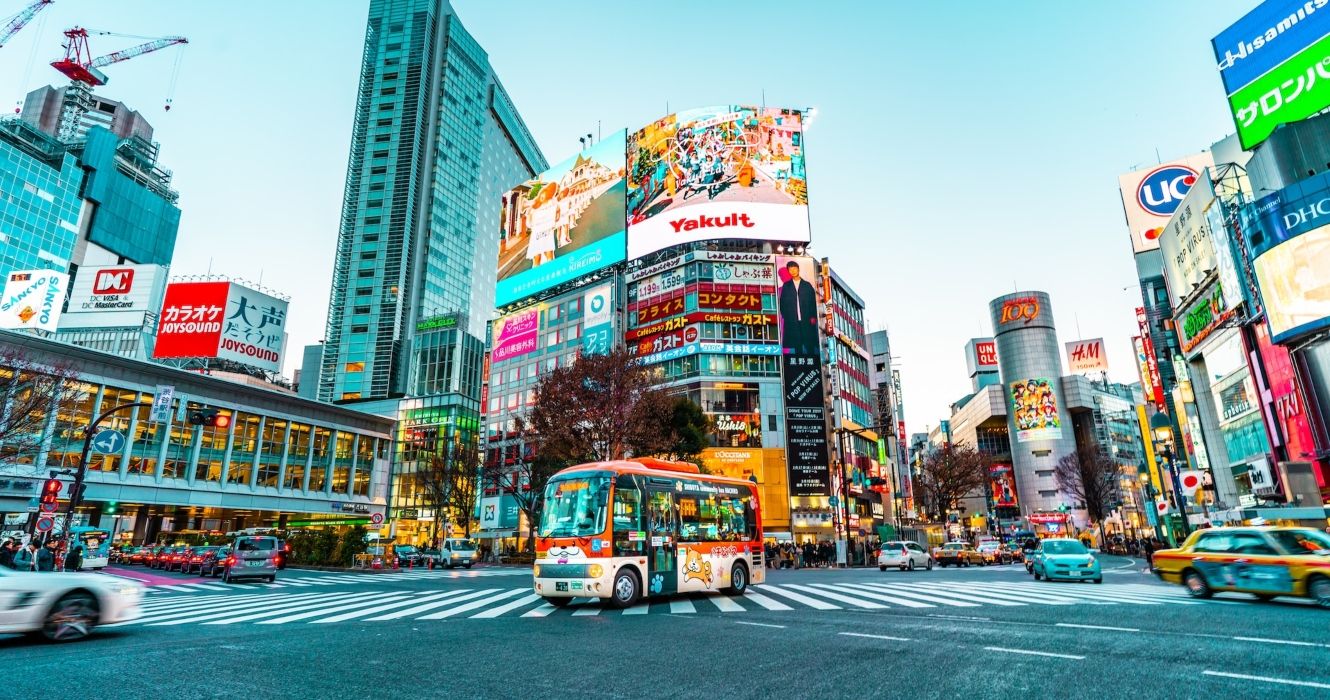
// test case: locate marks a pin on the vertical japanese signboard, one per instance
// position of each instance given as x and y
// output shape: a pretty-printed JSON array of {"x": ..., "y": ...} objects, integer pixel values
[
  {"x": 254, "y": 331},
  {"x": 515, "y": 334},
  {"x": 598, "y": 320},
  {"x": 801, "y": 372}
]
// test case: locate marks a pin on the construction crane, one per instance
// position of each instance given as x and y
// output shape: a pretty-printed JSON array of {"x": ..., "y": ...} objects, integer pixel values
[
  {"x": 15, "y": 23},
  {"x": 79, "y": 65}
]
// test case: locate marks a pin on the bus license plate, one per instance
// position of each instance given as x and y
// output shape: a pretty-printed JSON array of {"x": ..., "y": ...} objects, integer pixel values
[{"x": 560, "y": 585}]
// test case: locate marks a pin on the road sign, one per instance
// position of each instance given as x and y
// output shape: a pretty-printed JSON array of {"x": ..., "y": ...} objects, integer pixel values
[
  {"x": 47, "y": 507},
  {"x": 109, "y": 442},
  {"x": 161, "y": 405},
  {"x": 45, "y": 524},
  {"x": 376, "y": 519}
]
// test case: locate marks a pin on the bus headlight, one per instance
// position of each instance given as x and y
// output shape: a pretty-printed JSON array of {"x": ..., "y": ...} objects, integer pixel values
[
  {"x": 595, "y": 571},
  {"x": 536, "y": 570}
]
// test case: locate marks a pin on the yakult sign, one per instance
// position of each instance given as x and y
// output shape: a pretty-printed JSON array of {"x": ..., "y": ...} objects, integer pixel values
[
  {"x": 222, "y": 320},
  {"x": 1151, "y": 195}
]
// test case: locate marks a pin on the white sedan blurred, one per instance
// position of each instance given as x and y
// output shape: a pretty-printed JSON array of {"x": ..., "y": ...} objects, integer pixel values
[
  {"x": 907, "y": 556},
  {"x": 64, "y": 607}
]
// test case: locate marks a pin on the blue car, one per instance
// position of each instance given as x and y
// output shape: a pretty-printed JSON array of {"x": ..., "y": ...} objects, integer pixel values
[{"x": 1065, "y": 559}]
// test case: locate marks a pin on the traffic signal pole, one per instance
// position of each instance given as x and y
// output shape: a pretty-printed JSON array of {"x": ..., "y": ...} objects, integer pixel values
[{"x": 76, "y": 491}]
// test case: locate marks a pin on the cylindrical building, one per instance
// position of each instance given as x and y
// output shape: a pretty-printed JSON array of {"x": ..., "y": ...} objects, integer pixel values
[{"x": 1040, "y": 425}]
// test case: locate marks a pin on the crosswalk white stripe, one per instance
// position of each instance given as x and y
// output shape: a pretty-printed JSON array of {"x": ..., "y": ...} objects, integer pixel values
[
  {"x": 388, "y": 606},
  {"x": 641, "y": 608},
  {"x": 520, "y": 602},
  {"x": 798, "y": 598},
  {"x": 975, "y": 597},
  {"x": 475, "y": 604},
  {"x": 588, "y": 610},
  {"x": 209, "y": 587},
  {"x": 726, "y": 604},
  {"x": 228, "y": 617},
  {"x": 1042, "y": 594},
  {"x": 189, "y": 602},
  {"x": 765, "y": 602},
  {"x": 681, "y": 606},
  {"x": 996, "y": 594},
  {"x": 541, "y": 611},
  {"x": 173, "y": 588},
  {"x": 323, "y": 611},
  {"x": 1095, "y": 596},
  {"x": 224, "y": 606},
  {"x": 294, "y": 582},
  {"x": 880, "y": 595},
  {"x": 851, "y": 600},
  {"x": 431, "y": 605},
  {"x": 921, "y": 595}
]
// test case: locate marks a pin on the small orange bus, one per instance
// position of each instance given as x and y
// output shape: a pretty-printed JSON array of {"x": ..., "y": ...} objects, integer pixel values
[{"x": 623, "y": 530}]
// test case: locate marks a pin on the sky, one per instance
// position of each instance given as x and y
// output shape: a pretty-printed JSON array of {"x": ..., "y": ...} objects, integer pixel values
[{"x": 957, "y": 154}]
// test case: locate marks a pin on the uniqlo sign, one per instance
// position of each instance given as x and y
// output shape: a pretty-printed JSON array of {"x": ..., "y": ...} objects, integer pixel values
[{"x": 222, "y": 320}]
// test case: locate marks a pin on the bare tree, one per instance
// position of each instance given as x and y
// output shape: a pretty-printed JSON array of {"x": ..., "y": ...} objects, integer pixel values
[
  {"x": 950, "y": 474},
  {"x": 1091, "y": 477},
  {"x": 449, "y": 483},
  {"x": 29, "y": 393}
]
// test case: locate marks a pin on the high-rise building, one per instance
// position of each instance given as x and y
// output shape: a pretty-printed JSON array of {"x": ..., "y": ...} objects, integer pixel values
[
  {"x": 436, "y": 141},
  {"x": 44, "y": 107}
]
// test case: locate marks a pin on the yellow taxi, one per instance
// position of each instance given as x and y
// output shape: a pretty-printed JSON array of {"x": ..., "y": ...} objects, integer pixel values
[{"x": 1264, "y": 561}]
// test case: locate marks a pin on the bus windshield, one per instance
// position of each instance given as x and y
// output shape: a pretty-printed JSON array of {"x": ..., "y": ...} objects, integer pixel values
[{"x": 575, "y": 506}]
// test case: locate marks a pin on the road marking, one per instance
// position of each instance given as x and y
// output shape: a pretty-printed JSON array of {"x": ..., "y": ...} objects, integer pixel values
[
  {"x": 320, "y": 610},
  {"x": 541, "y": 611},
  {"x": 1035, "y": 653},
  {"x": 880, "y": 595},
  {"x": 389, "y": 606},
  {"x": 431, "y": 606},
  {"x": 725, "y": 604},
  {"x": 866, "y": 604},
  {"x": 799, "y": 598},
  {"x": 1097, "y": 627},
  {"x": 587, "y": 610},
  {"x": 765, "y": 602},
  {"x": 1280, "y": 641},
  {"x": 474, "y": 604},
  {"x": 641, "y": 608},
  {"x": 197, "y": 608},
  {"x": 759, "y": 624},
  {"x": 874, "y": 636},
  {"x": 681, "y": 605},
  {"x": 226, "y": 617},
  {"x": 495, "y": 612},
  {"x": 963, "y": 617},
  {"x": 954, "y": 600},
  {"x": 1267, "y": 679}
]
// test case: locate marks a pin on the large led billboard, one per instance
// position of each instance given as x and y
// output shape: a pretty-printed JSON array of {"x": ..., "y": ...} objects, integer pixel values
[
  {"x": 1151, "y": 195},
  {"x": 732, "y": 171},
  {"x": 565, "y": 223},
  {"x": 1034, "y": 406},
  {"x": 1290, "y": 247},
  {"x": 1270, "y": 62}
]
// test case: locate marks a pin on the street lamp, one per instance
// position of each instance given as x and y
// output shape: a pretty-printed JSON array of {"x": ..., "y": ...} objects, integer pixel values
[{"x": 1162, "y": 428}]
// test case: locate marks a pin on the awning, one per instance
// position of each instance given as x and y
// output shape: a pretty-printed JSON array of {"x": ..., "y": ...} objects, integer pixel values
[
  {"x": 494, "y": 534},
  {"x": 1313, "y": 513}
]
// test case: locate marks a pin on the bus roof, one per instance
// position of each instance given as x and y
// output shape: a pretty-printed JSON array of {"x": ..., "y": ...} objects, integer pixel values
[{"x": 651, "y": 466}]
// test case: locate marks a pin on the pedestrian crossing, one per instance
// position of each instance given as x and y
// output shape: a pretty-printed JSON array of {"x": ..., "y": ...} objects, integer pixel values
[
  {"x": 309, "y": 579},
  {"x": 326, "y": 607}
]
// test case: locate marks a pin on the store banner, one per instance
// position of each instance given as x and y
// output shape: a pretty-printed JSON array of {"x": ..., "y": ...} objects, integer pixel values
[
  {"x": 1034, "y": 408},
  {"x": 1087, "y": 356},
  {"x": 515, "y": 334},
  {"x": 33, "y": 299},
  {"x": 801, "y": 373}
]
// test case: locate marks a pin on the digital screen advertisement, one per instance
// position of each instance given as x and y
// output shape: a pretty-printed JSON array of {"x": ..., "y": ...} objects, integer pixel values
[
  {"x": 564, "y": 223},
  {"x": 1034, "y": 409},
  {"x": 1290, "y": 246},
  {"x": 515, "y": 334},
  {"x": 732, "y": 171}
]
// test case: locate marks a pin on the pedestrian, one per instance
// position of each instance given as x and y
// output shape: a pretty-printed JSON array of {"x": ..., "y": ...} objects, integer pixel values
[
  {"x": 7, "y": 552},
  {"x": 74, "y": 559},
  {"x": 26, "y": 558},
  {"x": 45, "y": 556}
]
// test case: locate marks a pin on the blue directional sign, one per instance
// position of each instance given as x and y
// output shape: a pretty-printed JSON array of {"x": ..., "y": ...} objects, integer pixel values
[{"x": 109, "y": 442}]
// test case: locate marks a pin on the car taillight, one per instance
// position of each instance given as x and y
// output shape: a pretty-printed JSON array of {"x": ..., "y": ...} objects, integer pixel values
[{"x": 905, "y": 550}]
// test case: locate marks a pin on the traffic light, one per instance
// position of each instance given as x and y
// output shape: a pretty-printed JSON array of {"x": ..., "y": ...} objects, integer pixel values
[
  {"x": 209, "y": 417},
  {"x": 110, "y": 507},
  {"x": 76, "y": 492},
  {"x": 1063, "y": 508},
  {"x": 51, "y": 492}
]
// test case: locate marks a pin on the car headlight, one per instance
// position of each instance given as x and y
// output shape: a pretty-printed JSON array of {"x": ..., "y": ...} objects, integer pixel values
[
  {"x": 595, "y": 570},
  {"x": 455, "y": 555},
  {"x": 536, "y": 570}
]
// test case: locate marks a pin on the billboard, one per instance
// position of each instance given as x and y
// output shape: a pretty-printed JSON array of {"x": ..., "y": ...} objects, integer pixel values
[
  {"x": 1290, "y": 247},
  {"x": 515, "y": 334},
  {"x": 33, "y": 299},
  {"x": 801, "y": 375},
  {"x": 1002, "y": 483},
  {"x": 1034, "y": 408},
  {"x": 565, "y": 223},
  {"x": 1086, "y": 356},
  {"x": 1270, "y": 62},
  {"x": 1151, "y": 195},
  {"x": 114, "y": 296},
  {"x": 732, "y": 171},
  {"x": 1186, "y": 243},
  {"x": 1151, "y": 361},
  {"x": 222, "y": 320},
  {"x": 598, "y": 320}
]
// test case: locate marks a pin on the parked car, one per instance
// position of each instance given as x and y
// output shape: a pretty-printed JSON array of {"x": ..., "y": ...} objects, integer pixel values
[
  {"x": 194, "y": 558},
  {"x": 136, "y": 555},
  {"x": 64, "y": 607},
  {"x": 993, "y": 553},
  {"x": 906, "y": 556},
  {"x": 1266, "y": 562},
  {"x": 175, "y": 561},
  {"x": 252, "y": 557},
  {"x": 459, "y": 552},
  {"x": 1065, "y": 559},
  {"x": 408, "y": 555},
  {"x": 214, "y": 561},
  {"x": 157, "y": 559},
  {"x": 959, "y": 554}
]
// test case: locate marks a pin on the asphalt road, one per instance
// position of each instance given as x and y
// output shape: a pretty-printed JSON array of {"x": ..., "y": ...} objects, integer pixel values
[{"x": 983, "y": 632}]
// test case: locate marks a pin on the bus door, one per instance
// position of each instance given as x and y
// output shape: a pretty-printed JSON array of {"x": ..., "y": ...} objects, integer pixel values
[{"x": 662, "y": 536}]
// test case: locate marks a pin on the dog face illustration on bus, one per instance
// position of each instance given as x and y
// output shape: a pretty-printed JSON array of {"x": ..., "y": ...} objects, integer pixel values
[
  {"x": 696, "y": 568},
  {"x": 563, "y": 551}
]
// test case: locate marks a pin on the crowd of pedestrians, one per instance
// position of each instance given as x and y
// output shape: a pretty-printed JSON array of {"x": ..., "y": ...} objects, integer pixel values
[
  {"x": 32, "y": 556},
  {"x": 818, "y": 555}
]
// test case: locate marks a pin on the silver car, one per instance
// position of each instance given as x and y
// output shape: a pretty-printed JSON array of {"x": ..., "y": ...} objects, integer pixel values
[{"x": 253, "y": 557}]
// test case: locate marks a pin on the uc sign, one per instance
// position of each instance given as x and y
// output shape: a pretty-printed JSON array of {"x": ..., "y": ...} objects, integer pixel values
[
  {"x": 1023, "y": 309},
  {"x": 1163, "y": 189}
]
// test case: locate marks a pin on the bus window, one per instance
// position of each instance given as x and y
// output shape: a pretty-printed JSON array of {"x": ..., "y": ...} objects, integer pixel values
[
  {"x": 689, "y": 520},
  {"x": 629, "y": 535},
  {"x": 575, "y": 507}
]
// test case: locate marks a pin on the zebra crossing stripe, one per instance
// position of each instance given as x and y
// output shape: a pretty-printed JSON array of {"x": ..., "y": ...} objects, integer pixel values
[
  {"x": 974, "y": 597},
  {"x": 1140, "y": 598},
  {"x": 520, "y": 602},
  {"x": 587, "y": 610},
  {"x": 799, "y": 598},
  {"x": 323, "y": 610},
  {"x": 185, "y": 604},
  {"x": 878, "y": 595},
  {"x": 856, "y": 602},
  {"x": 431, "y": 605},
  {"x": 681, "y": 606},
  {"x": 389, "y": 606},
  {"x": 228, "y": 617},
  {"x": 926, "y": 596},
  {"x": 542, "y": 611},
  {"x": 474, "y": 604},
  {"x": 765, "y": 602},
  {"x": 641, "y": 608},
  {"x": 212, "y": 606},
  {"x": 1095, "y": 597},
  {"x": 996, "y": 594},
  {"x": 725, "y": 603}
]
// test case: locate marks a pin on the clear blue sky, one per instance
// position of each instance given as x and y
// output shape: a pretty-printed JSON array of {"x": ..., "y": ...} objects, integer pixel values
[{"x": 960, "y": 149}]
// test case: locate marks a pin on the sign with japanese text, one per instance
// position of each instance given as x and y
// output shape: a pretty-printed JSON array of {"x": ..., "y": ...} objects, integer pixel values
[
  {"x": 598, "y": 322},
  {"x": 742, "y": 272},
  {"x": 735, "y": 301},
  {"x": 190, "y": 324},
  {"x": 1201, "y": 319},
  {"x": 515, "y": 334},
  {"x": 1290, "y": 91},
  {"x": 658, "y": 284},
  {"x": 1143, "y": 368},
  {"x": 254, "y": 329},
  {"x": 1151, "y": 195},
  {"x": 1152, "y": 362},
  {"x": 805, "y": 426},
  {"x": 1186, "y": 243},
  {"x": 1086, "y": 356},
  {"x": 647, "y": 313},
  {"x": 1266, "y": 37},
  {"x": 679, "y": 322},
  {"x": 33, "y": 299},
  {"x": 1034, "y": 410},
  {"x": 1290, "y": 247}
]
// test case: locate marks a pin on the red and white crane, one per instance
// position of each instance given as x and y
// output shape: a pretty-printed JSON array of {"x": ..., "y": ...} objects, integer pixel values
[
  {"x": 79, "y": 65},
  {"x": 15, "y": 23}
]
